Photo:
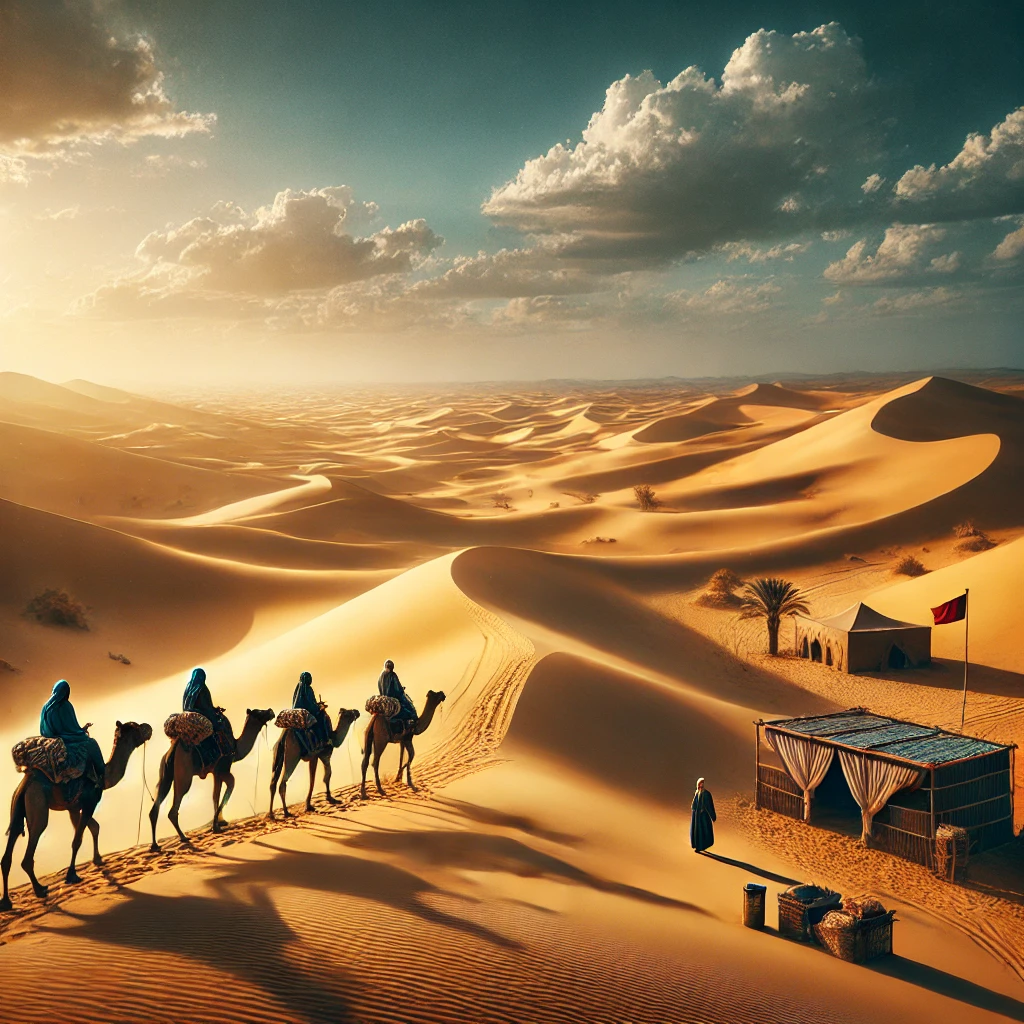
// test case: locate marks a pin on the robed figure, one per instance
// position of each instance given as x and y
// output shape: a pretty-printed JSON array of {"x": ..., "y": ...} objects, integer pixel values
[
  {"x": 199, "y": 699},
  {"x": 59, "y": 721},
  {"x": 702, "y": 819},
  {"x": 303, "y": 697},
  {"x": 389, "y": 685}
]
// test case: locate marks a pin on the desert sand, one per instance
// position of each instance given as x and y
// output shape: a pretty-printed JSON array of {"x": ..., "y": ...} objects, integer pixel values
[{"x": 488, "y": 539}]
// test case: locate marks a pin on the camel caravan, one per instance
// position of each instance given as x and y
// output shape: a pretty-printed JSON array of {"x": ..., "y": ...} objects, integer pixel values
[{"x": 64, "y": 768}]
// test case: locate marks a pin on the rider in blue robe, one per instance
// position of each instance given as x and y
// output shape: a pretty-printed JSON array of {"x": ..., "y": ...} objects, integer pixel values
[
  {"x": 304, "y": 698},
  {"x": 389, "y": 685},
  {"x": 199, "y": 699},
  {"x": 59, "y": 721}
]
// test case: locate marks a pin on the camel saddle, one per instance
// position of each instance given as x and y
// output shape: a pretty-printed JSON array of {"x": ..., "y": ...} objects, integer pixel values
[
  {"x": 378, "y": 704},
  {"x": 49, "y": 756},
  {"x": 295, "y": 718},
  {"x": 188, "y": 726}
]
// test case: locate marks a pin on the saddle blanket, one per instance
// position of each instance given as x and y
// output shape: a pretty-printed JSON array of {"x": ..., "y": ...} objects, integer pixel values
[
  {"x": 188, "y": 726},
  {"x": 381, "y": 705},
  {"x": 50, "y": 756},
  {"x": 295, "y": 718}
]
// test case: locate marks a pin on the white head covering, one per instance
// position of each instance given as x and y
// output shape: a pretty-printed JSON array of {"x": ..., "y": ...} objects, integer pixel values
[{"x": 699, "y": 781}]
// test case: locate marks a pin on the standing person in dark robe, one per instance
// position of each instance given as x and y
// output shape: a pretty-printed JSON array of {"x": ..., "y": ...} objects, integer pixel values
[
  {"x": 389, "y": 685},
  {"x": 199, "y": 699},
  {"x": 702, "y": 818},
  {"x": 304, "y": 698},
  {"x": 59, "y": 721}
]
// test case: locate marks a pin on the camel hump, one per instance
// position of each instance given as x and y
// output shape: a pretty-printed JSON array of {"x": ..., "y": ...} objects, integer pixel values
[
  {"x": 49, "y": 756},
  {"x": 188, "y": 726},
  {"x": 295, "y": 718},
  {"x": 388, "y": 707}
]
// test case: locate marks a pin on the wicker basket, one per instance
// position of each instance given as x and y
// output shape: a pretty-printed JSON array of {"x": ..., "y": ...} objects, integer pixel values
[
  {"x": 952, "y": 852},
  {"x": 856, "y": 940},
  {"x": 803, "y": 906}
]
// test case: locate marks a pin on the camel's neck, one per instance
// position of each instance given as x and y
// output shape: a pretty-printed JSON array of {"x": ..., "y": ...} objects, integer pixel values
[
  {"x": 423, "y": 722},
  {"x": 340, "y": 732},
  {"x": 245, "y": 742},
  {"x": 117, "y": 764}
]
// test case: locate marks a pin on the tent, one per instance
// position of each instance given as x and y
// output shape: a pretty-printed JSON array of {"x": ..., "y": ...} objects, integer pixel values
[
  {"x": 907, "y": 779},
  {"x": 861, "y": 639}
]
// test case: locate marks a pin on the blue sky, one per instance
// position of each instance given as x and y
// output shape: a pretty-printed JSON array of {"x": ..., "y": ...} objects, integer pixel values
[{"x": 718, "y": 224}]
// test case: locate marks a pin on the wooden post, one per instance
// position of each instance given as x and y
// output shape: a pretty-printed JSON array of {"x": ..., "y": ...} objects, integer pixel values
[
  {"x": 931, "y": 804},
  {"x": 757, "y": 766}
]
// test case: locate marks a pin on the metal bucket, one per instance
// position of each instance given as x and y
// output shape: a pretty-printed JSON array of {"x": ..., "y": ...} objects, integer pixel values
[{"x": 753, "y": 904}]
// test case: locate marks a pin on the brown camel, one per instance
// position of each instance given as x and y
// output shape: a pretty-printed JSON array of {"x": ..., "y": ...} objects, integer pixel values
[
  {"x": 379, "y": 735},
  {"x": 178, "y": 768},
  {"x": 37, "y": 796},
  {"x": 288, "y": 754}
]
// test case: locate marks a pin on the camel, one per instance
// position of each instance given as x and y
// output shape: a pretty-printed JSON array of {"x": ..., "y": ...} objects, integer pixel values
[
  {"x": 178, "y": 768},
  {"x": 378, "y": 736},
  {"x": 288, "y": 753},
  {"x": 37, "y": 796}
]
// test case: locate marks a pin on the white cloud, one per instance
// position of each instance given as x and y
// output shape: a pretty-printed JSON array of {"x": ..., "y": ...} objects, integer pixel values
[
  {"x": 1011, "y": 246},
  {"x": 873, "y": 184},
  {"x": 900, "y": 255},
  {"x": 160, "y": 165},
  {"x": 666, "y": 170},
  {"x": 752, "y": 254},
  {"x": 914, "y": 302},
  {"x": 67, "y": 80},
  {"x": 231, "y": 259},
  {"x": 728, "y": 296},
  {"x": 985, "y": 179}
]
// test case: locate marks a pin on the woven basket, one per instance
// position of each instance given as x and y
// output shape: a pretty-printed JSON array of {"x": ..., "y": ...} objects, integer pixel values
[
  {"x": 856, "y": 940},
  {"x": 386, "y": 706},
  {"x": 188, "y": 726},
  {"x": 295, "y": 718},
  {"x": 803, "y": 906},
  {"x": 952, "y": 852}
]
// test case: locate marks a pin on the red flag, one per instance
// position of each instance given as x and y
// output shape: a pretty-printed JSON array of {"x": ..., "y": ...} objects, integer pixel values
[{"x": 951, "y": 611}]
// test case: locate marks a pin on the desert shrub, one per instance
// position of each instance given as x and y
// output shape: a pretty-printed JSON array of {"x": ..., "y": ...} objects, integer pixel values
[
  {"x": 645, "y": 497},
  {"x": 501, "y": 500},
  {"x": 908, "y": 565},
  {"x": 719, "y": 590},
  {"x": 583, "y": 497},
  {"x": 599, "y": 540},
  {"x": 554, "y": 504},
  {"x": 57, "y": 608},
  {"x": 118, "y": 657},
  {"x": 970, "y": 538}
]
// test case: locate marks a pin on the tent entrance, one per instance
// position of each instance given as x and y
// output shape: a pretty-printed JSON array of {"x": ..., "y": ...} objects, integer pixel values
[
  {"x": 897, "y": 659},
  {"x": 833, "y": 806}
]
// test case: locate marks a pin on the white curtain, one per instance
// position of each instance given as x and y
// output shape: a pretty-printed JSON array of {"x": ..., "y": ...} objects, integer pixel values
[
  {"x": 806, "y": 761},
  {"x": 872, "y": 782}
]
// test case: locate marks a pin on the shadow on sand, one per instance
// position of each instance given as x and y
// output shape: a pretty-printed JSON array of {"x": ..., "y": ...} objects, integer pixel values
[{"x": 753, "y": 869}]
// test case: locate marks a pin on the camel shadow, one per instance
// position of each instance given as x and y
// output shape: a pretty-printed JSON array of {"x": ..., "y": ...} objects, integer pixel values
[
  {"x": 477, "y": 851},
  {"x": 753, "y": 869},
  {"x": 359, "y": 878},
  {"x": 244, "y": 938},
  {"x": 501, "y": 819},
  {"x": 949, "y": 985}
]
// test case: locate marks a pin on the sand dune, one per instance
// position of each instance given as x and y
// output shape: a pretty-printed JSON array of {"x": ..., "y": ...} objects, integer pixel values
[{"x": 540, "y": 871}]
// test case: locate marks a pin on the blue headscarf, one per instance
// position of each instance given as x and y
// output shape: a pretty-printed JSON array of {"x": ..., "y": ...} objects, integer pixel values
[
  {"x": 58, "y": 719},
  {"x": 194, "y": 690},
  {"x": 303, "y": 696}
]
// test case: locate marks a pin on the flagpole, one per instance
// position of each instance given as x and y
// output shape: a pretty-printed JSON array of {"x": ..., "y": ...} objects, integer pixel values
[{"x": 967, "y": 619}]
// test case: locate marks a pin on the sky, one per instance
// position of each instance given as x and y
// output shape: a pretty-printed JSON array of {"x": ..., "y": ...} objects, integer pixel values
[{"x": 263, "y": 191}]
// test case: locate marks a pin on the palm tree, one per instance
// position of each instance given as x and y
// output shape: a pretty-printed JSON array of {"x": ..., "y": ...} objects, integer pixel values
[{"x": 770, "y": 599}]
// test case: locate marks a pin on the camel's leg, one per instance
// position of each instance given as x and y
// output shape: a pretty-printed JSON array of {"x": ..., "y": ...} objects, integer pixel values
[
  {"x": 312, "y": 782},
  {"x": 79, "y": 817},
  {"x": 325, "y": 759},
  {"x": 218, "y": 781},
  {"x": 229, "y": 788},
  {"x": 14, "y": 833},
  {"x": 182, "y": 784},
  {"x": 380, "y": 744},
  {"x": 401, "y": 757},
  {"x": 291, "y": 762},
  {"x": 278, "y": 766},
  {"x": 37, "y": 811},
  {"x": 162, "y": 789},
  {"x": 94, "y": 827},
  {"x": 410, "y": 753},
  {"x": 368, "y": 740}
]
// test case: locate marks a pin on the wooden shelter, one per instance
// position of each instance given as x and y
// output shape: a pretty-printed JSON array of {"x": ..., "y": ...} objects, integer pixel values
[
  {"x": 907, "y": 779},
  {"x": 861, "y": 639}
]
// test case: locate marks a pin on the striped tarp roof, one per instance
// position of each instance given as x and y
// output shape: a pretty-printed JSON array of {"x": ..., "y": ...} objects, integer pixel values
[{"x": 920, "y": 744}]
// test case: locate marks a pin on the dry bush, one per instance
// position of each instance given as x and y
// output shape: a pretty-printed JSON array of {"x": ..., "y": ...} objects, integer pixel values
[
  {"x": 970, "y": 538},
  {"x": 554, "y": 504},
  {"x": 645, "y": 497},
  {"x": 599, "y": 540},
  {"x": 908, "y": 565},
  {"x": 583, "y": 497},
  {"x": 57, "y": 608},
  {"x": 501, "y": 500},
  {"x": 719, "y": 590},
  {"x": 118, "y": 657}
]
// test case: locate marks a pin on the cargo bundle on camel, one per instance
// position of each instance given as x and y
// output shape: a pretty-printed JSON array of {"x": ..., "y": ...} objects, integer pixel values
[{"x": 908, "y": 784}]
